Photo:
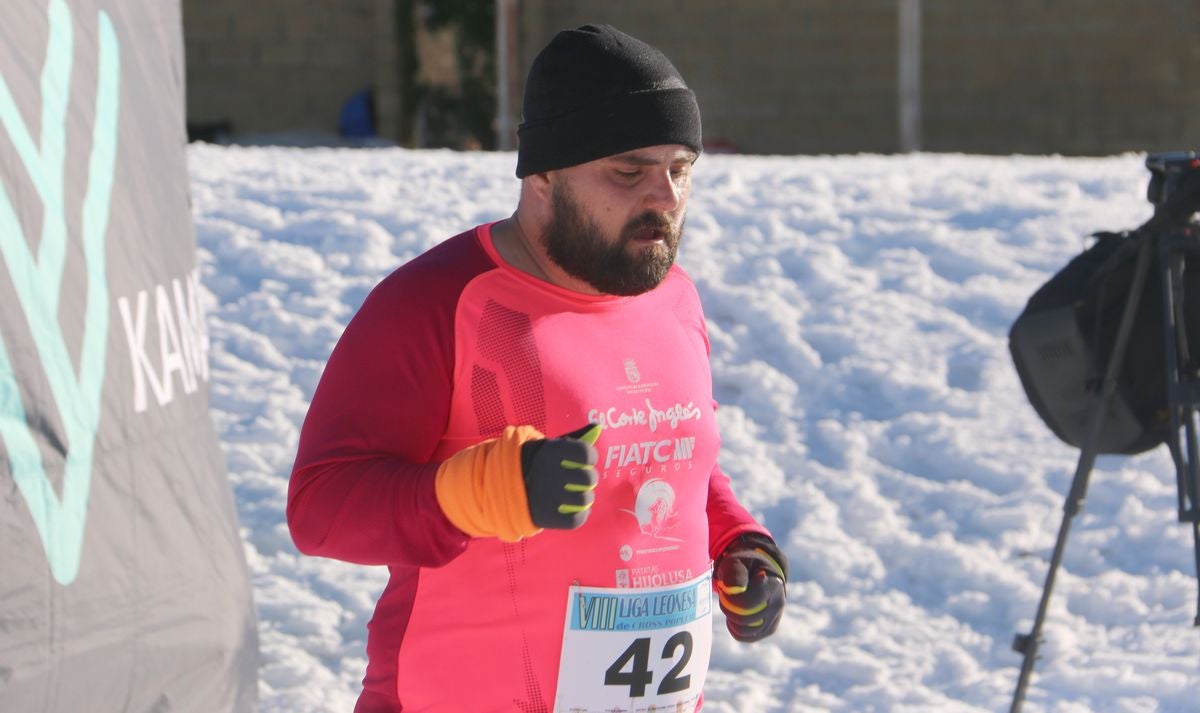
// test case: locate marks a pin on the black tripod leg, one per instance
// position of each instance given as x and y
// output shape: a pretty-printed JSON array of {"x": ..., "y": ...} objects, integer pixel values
[
  {"x": 1189, "y": 482},
  {"x": 1189, "y": 512},
  {"x": 1027, "y": 644},
  {"x": 1181, "y": 392}
]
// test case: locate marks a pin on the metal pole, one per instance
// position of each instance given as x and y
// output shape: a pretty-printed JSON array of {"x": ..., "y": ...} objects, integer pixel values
[
  {"x": 909, "y": 75},
  {"x": 506, "y": 60}
]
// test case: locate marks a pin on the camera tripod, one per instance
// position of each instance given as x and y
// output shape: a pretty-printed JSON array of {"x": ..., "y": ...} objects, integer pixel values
[{"x": 1163, "y": 240}]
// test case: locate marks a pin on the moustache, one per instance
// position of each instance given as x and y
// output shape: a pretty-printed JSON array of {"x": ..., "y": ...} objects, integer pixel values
[{"x": 650, "y": 221}]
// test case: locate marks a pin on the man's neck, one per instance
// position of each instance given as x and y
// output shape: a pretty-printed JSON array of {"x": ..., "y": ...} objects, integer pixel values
[{"x": 516, "y": 247}]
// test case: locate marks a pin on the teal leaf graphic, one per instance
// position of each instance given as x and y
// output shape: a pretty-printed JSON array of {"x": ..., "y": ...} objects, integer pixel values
[{"x": 38, "y": 283}]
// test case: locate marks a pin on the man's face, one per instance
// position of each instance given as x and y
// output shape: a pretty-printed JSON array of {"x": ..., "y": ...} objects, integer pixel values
[{"x": 616, "y": 222}]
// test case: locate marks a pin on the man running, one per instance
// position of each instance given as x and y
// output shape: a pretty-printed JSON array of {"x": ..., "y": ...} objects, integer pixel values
[{"x": 519, "y": 423}]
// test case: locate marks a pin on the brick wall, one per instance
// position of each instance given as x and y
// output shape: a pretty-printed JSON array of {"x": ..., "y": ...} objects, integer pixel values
[
  {"x": 998, "y": 76},
  {"x": 288, "y": 65}
]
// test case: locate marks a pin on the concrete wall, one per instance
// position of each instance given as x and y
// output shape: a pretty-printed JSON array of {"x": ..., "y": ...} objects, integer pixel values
[
  {"x": 773, "y": 76},
  {"x": 1064, "y": 76},
  {"x": 273, "y": 66},
  {"x": 998, "y": 76}
]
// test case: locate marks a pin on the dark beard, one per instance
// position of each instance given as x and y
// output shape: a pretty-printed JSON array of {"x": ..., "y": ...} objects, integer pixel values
[{"x": 574, "y": 242}]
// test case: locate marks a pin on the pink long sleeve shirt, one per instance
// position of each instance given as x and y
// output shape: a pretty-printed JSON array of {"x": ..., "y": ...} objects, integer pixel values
[{"x": 447, "y": 351}]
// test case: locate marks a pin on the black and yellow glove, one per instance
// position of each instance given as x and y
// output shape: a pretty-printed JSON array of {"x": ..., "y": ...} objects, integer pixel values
[
  {"x": 751, "y": 583},
  {"x": 560, "y": 477},
  {"x": 520, "y": 482}
]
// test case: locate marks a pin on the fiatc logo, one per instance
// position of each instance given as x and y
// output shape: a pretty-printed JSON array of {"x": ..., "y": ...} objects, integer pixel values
[{"x": 670, "y": 455}]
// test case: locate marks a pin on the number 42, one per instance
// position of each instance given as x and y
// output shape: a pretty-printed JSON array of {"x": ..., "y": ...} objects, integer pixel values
[{"x": 637, "y": 659}]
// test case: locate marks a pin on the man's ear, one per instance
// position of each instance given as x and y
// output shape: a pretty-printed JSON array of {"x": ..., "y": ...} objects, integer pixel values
[
  {"x": 539, "y": 186},
  {"x": 537, "y": 198}
]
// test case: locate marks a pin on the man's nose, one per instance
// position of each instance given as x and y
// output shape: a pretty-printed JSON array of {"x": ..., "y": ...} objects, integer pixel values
[{"x": 665, "y": 193}]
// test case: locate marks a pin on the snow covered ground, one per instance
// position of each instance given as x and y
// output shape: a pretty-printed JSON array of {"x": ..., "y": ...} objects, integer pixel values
[{"x": 858, "y": 309}]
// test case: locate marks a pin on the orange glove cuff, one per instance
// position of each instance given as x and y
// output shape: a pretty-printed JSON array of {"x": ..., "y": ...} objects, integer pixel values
[{"x": 481, "y": 489}]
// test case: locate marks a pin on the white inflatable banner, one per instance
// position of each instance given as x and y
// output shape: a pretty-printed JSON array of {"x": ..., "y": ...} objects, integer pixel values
[{"x": 123, "y": 584}]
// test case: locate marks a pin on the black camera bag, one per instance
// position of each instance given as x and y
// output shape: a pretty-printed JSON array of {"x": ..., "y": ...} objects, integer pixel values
[{"x": 1062, "y": 341}]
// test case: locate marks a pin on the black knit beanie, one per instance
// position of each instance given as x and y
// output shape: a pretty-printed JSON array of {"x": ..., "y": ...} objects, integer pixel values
[{"x": 595, "y": 92}]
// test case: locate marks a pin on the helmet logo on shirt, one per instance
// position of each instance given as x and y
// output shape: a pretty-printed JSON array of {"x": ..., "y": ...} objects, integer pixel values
[
  {"x": 655, "y": 508},
  {"x": 631, "y": 372},
  {"x": 633, "y": 376}
]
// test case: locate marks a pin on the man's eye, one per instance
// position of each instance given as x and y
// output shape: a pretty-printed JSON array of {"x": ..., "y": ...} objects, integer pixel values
[{"x": 628, "y": 174}]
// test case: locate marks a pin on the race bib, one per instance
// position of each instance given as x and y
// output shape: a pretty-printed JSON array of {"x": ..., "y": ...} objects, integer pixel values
[{"x": 638, "y": 650}]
